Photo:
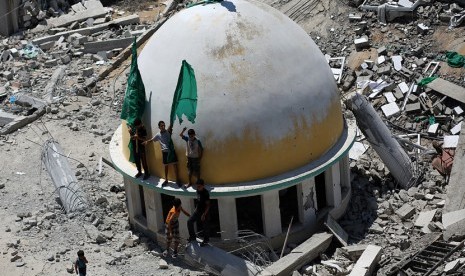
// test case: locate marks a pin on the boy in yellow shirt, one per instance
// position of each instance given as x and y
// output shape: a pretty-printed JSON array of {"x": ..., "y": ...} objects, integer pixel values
[{"x": 172, "y": 227}]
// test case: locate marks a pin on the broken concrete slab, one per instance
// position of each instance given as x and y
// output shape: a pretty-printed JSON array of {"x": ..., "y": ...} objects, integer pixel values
[
  {"x": 6, "y": 118},
  {"x": 406, "y": 211},
  {"x": 452, "y": 217},
  {"x": 353, "y": 252},
  {"x": 425, "y": 218},
  {"x": 93, "y": 9},
  {"x": 301, "y": 255},
  {"x": 50, "y": 87},
  {"x": 368, "y": 261},
  {"x": 21, "y": 122},
  {"x": 455, "y": 230},
  {"x": 26, "y": 100},
  {"x": 110, "y": 44},
  {"x": 456, "y": 190},
  {"x": 337, "y": 230},
  {"x": 123, "y": 21},
  {"x": 448, "y": 89}
]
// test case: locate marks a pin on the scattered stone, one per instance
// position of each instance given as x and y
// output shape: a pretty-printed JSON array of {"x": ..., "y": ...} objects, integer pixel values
[
  {"x": 162, "y": 264},
  {"x": 405, "y": 212}
]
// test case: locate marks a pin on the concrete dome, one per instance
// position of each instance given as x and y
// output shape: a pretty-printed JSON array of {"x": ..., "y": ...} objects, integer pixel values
[{"x": 267, "y": 100}]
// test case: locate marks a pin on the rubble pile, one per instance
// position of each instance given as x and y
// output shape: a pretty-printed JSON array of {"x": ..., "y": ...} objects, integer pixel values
[
  {"x": 398, "y": 66},
  {"x": 55, "y": 69}
]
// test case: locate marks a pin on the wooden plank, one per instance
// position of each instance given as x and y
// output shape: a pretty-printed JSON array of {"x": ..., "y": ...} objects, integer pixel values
[{"x": 448, "y": 89}]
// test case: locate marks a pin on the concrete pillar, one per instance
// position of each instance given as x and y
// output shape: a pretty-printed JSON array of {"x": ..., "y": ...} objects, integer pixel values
[
  {"x": 154, "y": 211},
  {"x": 271, "y": 213},
  {"x": 228, "y": 217},
  {"x": 344, "y": 167},
  {"x": 133, "y": 199},
  {"x": 333, "y": 185},
  {"x": 188, "y": 205},
  {"x": 306, "y": 198}
]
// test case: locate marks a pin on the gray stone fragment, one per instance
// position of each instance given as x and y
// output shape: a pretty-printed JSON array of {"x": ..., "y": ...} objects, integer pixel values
[{"x": 405, "y": 212}]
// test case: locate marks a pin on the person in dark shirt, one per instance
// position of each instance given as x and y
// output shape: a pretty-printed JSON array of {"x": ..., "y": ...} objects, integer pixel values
[
  {"x": 80, "y": 266},
  {"x": 200, "y": 214},
  {"x": 138, "y": 136}
]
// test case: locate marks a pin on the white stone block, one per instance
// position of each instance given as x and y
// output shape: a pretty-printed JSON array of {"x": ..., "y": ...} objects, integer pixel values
[
  {"x": 458, "y": 110},
  {"x": 456, "y": 129},
  {"x": 390, "y": 97},
  {"x": 450, "y": 141},
  {"x": 381, "y": 59},
  {"x": 390, "y": 109},
  {"x": 403, "y": 87},
  {"x": 397, "y": 61},
  {"x": 432, "y": 129}
]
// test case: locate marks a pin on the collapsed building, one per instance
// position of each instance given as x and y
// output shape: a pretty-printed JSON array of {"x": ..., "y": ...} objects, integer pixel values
[{"x": 268, "y": 114}]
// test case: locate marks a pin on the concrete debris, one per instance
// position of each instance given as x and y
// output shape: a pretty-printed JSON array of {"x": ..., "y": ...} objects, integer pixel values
[
  {"x": 302, "y": 254},
  {"x": 367, "y": 261},
  {"x": 72, "y": 197},
  {"x": 448, "y": 89},
  {"x": 381, "y": 139},
  {"x": 391, "y": 10}
]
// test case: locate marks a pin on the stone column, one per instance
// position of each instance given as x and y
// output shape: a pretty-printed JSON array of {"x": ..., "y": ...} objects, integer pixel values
[
  {"x": 188, "y": 205},
  {"x": 271, "y": 214},
  {"x": 307, "y": 201},
  {"x": 344, "y": 166},
  {"x": 133, "y": 199},
  {"x": 228, "y": 217},
  {"x": 154, "y": 210},
  {"x": 333, "y": 185}
]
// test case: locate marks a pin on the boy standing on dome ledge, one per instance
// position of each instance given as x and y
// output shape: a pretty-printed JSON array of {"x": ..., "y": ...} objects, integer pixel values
[
  {"x": 164, "y": 138},
  {"x": 194, "y": 152},
  {"x": 138, "y": 134}
]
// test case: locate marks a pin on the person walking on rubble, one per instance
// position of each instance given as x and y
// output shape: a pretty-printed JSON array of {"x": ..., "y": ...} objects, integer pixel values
[{"x": 80, "y": 266}]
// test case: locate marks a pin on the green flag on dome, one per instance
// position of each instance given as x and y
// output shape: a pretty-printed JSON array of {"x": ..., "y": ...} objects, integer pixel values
[
  {"x": 184, "y": 101},
  {"x": 185, "y": 95},
  {"x": 134, "y": 99}
]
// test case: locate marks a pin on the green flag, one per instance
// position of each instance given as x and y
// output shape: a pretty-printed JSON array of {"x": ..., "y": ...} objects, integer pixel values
[
  {"x": 184, "y": 101},
  {"x": 134, "y": 99},
  {"x": 185, "y": 95}
]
